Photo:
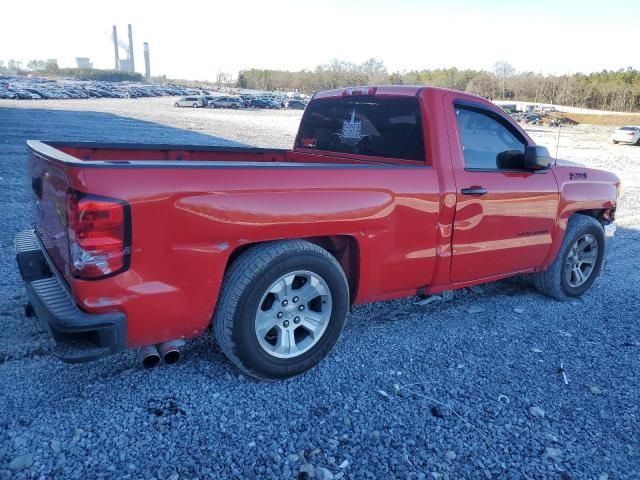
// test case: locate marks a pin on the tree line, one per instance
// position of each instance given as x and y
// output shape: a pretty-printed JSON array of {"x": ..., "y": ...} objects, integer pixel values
[
  {"x": 14, "y": 67},
  {"x": 606, "y": 90}
]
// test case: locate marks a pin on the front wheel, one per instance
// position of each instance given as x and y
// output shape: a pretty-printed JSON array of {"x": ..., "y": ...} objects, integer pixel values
[
  {"x": 578, "y": 262},
  {"x": 282, "y": 307}
]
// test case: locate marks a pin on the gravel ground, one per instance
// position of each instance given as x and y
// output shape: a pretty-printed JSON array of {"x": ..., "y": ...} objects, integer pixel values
[{"x": 467, "y": 388}]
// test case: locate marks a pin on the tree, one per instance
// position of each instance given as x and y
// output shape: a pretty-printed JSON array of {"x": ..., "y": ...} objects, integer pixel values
[
  {"x": 14, "y": 65},
  {"x": 503, "y": 70},
  {"x": 36, "y": 65}
]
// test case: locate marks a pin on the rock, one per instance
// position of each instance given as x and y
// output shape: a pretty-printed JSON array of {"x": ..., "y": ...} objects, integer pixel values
[
  {"x": 307, "y": 470},
  {"x": 554, "y": 453},
  {"x": 21, "y": 462},
  {"x": 552, "y": 438},
  {"x": 323, "y": 474},
  {"x": 383, "y": 393},
  {"x": 476, "y": 289},
  {"x": 536, "y": 350},
  {"x": 428, "y": 300},
  {"x": 314, "y": 452},
  {"x": 173, "y": 476},
  {"x": 537, "y": 412},
  {"x": 20, "y": 442},
  {"x": 451, "y": 455},
  {"x": 338, "y": 476},
  {"x": 293, "y": 458},
  {"x": 344, "y": 464},
  {"x": 475, "y": 309},
  {"x": 603, "y": 476},
  {"x": 595, "y": 390},
  {"x": 55, "y": 446},
  {"x": 251, "y": 444},
  {"x": 448, "y": 295},
  {"x": 518, "y": 310}
]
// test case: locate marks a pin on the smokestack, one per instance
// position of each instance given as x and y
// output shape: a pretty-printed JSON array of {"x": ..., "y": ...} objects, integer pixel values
[
  {"x": 115, "y": 47},
  {"x": 147, "y": 65},
  {"x": 133, "y": 65}
]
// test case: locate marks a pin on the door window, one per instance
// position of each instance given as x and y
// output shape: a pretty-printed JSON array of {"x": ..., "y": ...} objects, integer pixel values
[{"x": 488, "y": 142}]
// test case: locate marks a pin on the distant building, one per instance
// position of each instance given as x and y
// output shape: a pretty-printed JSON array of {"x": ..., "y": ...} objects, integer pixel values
[
  {"x": 84, "y": 62},
  {"x": 125, "y": 65}
]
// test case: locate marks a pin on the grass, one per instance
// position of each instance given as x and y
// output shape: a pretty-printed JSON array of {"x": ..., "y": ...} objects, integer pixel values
[{"x": 608, "y": 120}]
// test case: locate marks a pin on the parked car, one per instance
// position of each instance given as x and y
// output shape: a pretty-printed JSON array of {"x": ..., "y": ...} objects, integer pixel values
[
  {"x": 194, "y": 102},
  {"x": 227, "y": 102},
  {"x": 297, "y": 104},
  {"x": 628, "y": 134},
  {"x": 264, "y": 103},
  {"x": 143, "y": 246}
]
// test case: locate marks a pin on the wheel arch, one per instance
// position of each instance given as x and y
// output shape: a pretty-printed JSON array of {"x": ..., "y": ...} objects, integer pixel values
[{"x": 344, "y": 248}]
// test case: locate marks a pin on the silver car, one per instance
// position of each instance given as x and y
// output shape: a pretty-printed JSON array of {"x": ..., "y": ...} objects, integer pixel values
[{"x": 226, "y": 102}]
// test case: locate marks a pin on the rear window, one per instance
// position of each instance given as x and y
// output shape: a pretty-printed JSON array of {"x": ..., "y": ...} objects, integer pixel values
[
  {"x": 387, "y": 127},
  {"x": 633, "y": 129}
]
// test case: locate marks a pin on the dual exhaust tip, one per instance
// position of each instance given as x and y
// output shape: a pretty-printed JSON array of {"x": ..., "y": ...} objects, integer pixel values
[{"x": 150, "y": 356}]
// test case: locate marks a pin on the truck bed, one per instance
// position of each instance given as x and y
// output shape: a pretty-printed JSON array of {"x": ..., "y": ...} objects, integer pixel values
[{"x": 102, "y": 154}]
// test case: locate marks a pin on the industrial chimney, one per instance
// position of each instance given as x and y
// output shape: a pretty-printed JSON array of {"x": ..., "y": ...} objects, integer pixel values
[
  {"x": 133, "y": 65},
  {"x": 115, "y": 47},
  {"x": 147, "y": 65}
]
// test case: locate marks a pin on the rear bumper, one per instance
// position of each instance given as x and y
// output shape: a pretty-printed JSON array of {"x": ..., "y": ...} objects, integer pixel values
[{"x": 79, "y": 336}]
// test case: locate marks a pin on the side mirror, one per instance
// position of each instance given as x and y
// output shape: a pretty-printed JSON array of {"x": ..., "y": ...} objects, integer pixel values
[{"x": 536, "y": 158}]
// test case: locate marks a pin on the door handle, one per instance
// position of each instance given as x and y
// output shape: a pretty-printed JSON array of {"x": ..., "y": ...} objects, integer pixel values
[{"x": 474, "y": 191}]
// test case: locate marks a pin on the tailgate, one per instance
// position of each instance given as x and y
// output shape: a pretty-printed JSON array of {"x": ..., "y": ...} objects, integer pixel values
[{"x": 50, "y": 183}]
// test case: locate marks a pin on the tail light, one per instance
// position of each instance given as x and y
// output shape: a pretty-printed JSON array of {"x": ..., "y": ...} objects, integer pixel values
[{"x": 99, "y": 230}]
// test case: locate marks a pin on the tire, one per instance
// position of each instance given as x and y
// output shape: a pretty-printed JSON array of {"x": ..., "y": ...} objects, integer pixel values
[
  {"x": 195, "y": 105},
  {"x": 176, "y": 104},
  {"x": 615, "y": 142},
  {"x": 557, "y": 281},
  {"x": 247, "y": 295},
  {"x": 234, "y": 107}
]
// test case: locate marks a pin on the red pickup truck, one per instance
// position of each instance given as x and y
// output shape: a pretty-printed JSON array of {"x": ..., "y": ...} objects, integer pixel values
[{"x": 389, "y": 191}]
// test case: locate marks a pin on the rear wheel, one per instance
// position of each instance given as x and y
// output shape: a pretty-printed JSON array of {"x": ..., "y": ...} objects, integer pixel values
[
  {"x": 578, "y": 262},
  {"x": 176, "y": 104},
  {"x": 281, "y": 308},
  {"x": 195, "y": 105}
]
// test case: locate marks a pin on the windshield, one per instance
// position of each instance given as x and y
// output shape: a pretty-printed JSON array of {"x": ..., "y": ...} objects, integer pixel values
[{"x": 365, "y": 125}]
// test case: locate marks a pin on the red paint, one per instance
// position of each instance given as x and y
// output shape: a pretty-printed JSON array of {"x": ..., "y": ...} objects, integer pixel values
[{"x": 412, "y": 227}]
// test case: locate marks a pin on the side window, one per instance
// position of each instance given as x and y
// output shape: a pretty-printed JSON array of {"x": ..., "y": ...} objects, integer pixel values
[{"x": 487, "y": 142}]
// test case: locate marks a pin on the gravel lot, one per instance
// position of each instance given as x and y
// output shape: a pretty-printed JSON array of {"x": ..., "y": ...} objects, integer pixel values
[{"x": 468, "y": 388}]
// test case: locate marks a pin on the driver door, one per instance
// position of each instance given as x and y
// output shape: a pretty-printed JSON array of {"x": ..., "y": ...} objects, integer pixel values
[{"x": 505, "y": 215}]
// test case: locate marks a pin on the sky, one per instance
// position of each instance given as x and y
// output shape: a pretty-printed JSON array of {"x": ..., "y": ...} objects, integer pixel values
[{"x": 199, "y": 39}]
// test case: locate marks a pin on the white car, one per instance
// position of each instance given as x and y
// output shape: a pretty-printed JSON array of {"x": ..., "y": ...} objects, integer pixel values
[
  {"x": 194, "y": 102},
  {"x": 626, "y": 134}
]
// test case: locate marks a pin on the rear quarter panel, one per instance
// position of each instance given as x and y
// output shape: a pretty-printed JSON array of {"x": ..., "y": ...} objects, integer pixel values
[{"x": 188, "y": 221}]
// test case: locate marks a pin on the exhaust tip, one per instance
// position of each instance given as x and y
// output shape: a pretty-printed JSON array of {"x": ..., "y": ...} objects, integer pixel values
[
  {"x": 151, "y": 361},
  {"x": 171, "y": 357},
  {"x": 149, "y": 357},
  {"x": 170, "y": 351}
]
